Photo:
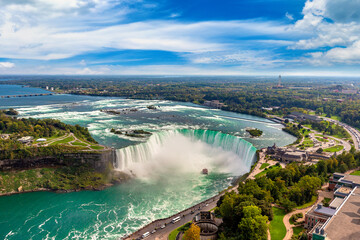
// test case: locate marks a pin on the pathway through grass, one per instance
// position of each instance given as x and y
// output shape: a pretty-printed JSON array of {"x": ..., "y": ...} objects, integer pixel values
[{"x": 277, "y": 227}]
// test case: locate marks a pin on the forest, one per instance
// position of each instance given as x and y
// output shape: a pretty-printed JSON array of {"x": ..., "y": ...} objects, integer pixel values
[
  {"x": 287, "y": 187},
  {"x": 15, "y": 128}
]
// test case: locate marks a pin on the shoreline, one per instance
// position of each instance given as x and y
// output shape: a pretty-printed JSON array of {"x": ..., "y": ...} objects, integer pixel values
[{"x": 59, "y": 191}]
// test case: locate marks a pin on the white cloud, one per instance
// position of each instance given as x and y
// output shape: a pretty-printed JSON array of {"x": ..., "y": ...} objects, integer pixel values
[
  {"x": 45, "y": 42},
  {"x": 245, "y": 58},
  {"x": 289, "y": 16},
  {"x": 87, "y": 71},
  {"x": 7, "y": 65},
  {"x": 335, "y": 40}
]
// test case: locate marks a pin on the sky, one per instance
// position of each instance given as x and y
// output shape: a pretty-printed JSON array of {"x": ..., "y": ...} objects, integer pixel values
[{"x": 180, "y": 37}]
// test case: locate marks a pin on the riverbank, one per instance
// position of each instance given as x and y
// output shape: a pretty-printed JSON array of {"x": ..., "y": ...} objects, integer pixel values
[{"x": 58, "y": 180}]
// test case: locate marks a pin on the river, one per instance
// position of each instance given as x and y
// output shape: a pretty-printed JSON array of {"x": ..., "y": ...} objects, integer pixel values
[{"x": 185, "y": 138}]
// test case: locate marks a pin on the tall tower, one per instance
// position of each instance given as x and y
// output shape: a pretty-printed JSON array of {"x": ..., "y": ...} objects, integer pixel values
[{"x": 279, "y": 84}]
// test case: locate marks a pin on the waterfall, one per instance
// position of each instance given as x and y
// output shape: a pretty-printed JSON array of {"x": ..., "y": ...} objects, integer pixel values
[{"x": 228, "y": 151}]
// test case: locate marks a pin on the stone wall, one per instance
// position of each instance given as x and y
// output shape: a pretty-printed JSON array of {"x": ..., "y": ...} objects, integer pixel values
[{"x": 100, "y": 161}]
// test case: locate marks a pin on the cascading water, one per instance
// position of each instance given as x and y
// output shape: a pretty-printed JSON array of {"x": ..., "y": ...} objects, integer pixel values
[{"x": 188, "y": 150}]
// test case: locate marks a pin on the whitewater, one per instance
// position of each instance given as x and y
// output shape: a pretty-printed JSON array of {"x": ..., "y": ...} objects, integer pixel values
[{"x": 167, "y": 165}]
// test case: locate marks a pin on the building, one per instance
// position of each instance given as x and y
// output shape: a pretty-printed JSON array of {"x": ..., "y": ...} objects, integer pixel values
[
  {"x": 41, "y": 140},
  {"x": 214, "y": 104},
  {"x": 208, "y": 227},
  {"x": 27, "y": 139},
  {"x": 339, "y": 180},
  {"x": 318, "y": 214},
  {"x": 344, "y": 224},
  {"x": 349, "y": 91},
  {"x": 341, "y": 220},
  {"x": 287, "y": 155},
  {"x": 4, "y": 136},
  {"x": 302, "y": 117}
]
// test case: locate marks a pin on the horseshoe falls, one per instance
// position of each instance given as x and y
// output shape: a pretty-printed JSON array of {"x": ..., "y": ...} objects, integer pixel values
[{"x": 187, "y": 150}]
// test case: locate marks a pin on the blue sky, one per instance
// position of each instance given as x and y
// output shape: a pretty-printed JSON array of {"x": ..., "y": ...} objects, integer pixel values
[{"x": 180, "y": 37}]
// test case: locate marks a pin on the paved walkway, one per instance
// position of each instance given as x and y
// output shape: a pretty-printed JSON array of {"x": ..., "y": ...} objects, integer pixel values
[{"x": 289, "y": 227}]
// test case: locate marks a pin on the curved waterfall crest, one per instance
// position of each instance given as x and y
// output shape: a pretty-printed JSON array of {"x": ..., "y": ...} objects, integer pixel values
[{"x": 144, "y": 152}]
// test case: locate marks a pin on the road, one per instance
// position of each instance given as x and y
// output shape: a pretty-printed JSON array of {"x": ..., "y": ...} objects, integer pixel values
[
  {"x": 355, "y": 134},
  {"x": 186, "y": 216}
]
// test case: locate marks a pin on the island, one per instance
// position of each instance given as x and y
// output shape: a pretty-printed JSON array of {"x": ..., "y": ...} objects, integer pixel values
[
  {"x": 132, "y": 133},
  {"x": 255, "y": 132}
]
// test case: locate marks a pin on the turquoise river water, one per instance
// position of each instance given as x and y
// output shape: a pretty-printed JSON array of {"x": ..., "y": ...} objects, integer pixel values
[{"x": 186, "y": 138}]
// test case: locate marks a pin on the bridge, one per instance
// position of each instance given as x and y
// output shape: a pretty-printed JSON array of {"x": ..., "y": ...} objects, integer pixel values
[{"x": 27, "y": 95}]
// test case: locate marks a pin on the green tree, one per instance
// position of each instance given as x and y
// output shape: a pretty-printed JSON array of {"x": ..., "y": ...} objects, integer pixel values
[{"x": 253, "y": 224}]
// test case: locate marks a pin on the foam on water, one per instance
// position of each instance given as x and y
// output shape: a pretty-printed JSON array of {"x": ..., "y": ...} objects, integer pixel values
[{"x": 182, "y": 151}]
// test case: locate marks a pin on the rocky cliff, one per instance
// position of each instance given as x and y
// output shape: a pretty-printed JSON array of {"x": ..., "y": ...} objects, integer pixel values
[{"x": 100, "y": 161}]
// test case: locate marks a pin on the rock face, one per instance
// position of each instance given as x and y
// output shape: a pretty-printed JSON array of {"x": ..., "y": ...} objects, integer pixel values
[{"x": 100, "y": 161}]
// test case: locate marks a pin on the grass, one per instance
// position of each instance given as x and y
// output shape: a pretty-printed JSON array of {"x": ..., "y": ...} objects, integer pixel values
[
  {"x": 337, "y": 118},
  {"x": 307, "y": 143},
  {"x": 65, "y": 140},
  {"x": 265, "y": 171},
  {"x": 321, "y": 139},
  {"x": 312, "y": 202},
  {"x": 306, "y": 132},
  {"x": 79, "y": 144},
  {"x": 334, "y": 149},
  {"x": 297, "y": 230},
  {"x": 326, "y": 202},
  {"x": 356, "y": 173},
  {"x": 174, "y": 233},
  {"x": 277, "y": 227},
  {"x": 51, "y": 138},
  {"x": 97, "y": 147},
  {"x": 264, "y": 165}
]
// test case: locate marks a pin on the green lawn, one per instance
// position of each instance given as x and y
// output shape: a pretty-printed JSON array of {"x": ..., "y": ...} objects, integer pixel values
[
  {"x": 79, "y": 144},
  {"x": 264, "y": 165},
  {"x": 337, "y": 118},
  {"x": 97, "y": 147},
  {"x": 321, "y": 139},
  {"x": 306, "y": 132},
  {"x": 297, "y": 230},
  {"x": 312, "y": 202},
  {"x": 174, "y": 233},
  {"x": 356, "y": 173},
  {"x": 334, "y": 149},
  {"x": 277, "y": 227},
  {"x": 65, "y": 140},
  {"x": 51, "y": 138},
  {"x": 308, "y": 143},
  {"x": 265, "y": 171}
]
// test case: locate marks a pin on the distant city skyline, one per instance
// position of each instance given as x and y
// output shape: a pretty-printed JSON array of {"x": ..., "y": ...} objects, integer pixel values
[{"x": 147, "y": 37}]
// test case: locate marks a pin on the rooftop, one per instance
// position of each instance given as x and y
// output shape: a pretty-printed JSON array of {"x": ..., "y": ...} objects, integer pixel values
[
  {"x": 325, "y": 210},
  {"x": 345, "y": 225},
  {"x": 336, "y": 203},
  {"x": 345, "y": 190},
  {"x": 348, "y": 177}
]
